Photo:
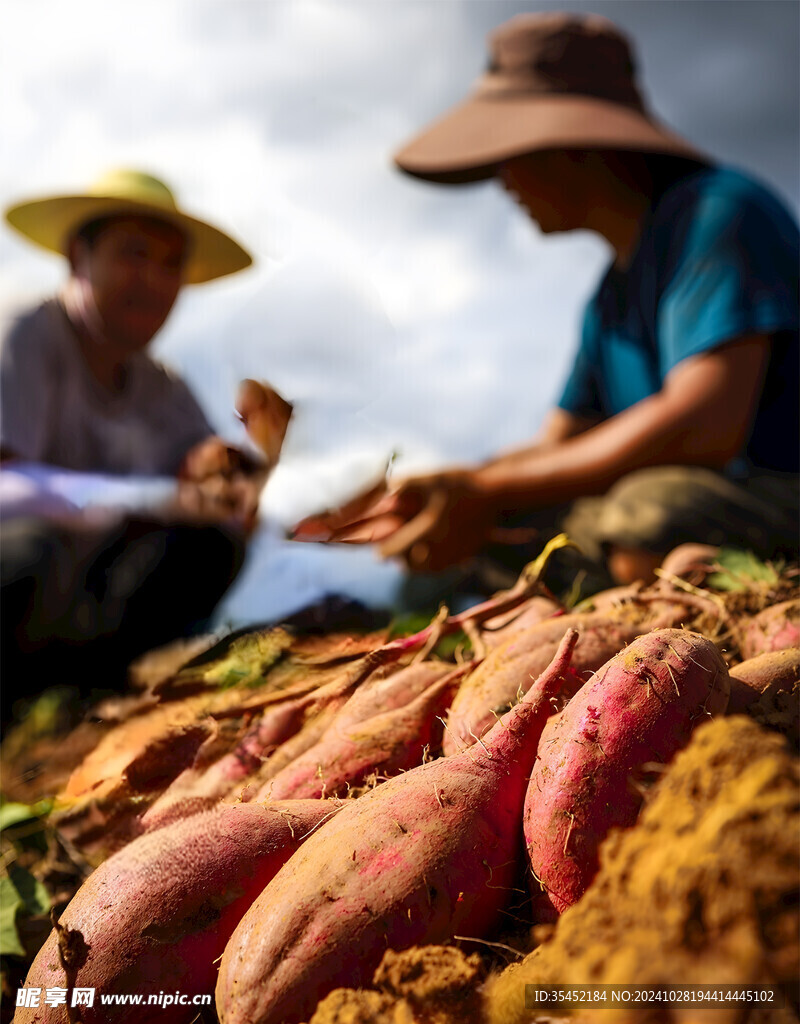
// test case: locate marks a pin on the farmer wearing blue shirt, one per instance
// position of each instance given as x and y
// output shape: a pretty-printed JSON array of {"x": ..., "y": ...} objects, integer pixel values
[{"x": 679, "y": 419}]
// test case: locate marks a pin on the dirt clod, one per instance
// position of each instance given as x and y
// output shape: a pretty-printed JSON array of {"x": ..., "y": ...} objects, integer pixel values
[
  {"x": 422, "y": 985},
  {"x": 703, "y": 890},
  {"x": 349, "y": 1006}
]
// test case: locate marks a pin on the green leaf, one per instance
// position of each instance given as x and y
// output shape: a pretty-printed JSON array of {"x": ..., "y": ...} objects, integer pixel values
[
  {"x": 746, "y": 564},
  {"x": 35, "y": 898},
  {"x": 739, "y": 570},
  {"x": 246, "y": 660},
  {"x": 10, "y": 902},
  {"x": 409, "y": 623},
  {"x": 724, "y": 581},
  {"x": 14, "y": 813}
]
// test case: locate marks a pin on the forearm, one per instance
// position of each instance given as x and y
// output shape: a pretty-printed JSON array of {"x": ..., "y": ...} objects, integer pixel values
[
  {"x": 701, "y": 417},
  {"x": 558, "y": 426},
  {"x": 590, "y": 463}
]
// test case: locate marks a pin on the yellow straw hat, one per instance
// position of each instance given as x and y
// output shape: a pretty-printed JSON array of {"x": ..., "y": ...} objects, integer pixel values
[{"x": 51, "y": 222}]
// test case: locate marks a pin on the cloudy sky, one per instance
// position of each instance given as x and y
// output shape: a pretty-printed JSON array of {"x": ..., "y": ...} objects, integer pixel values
[{"x": 397, "y": 315}]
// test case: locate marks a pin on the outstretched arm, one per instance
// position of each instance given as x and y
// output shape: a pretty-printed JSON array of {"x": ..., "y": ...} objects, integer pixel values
[
  {"x": 702, "y": 416},
  {"x": 559, "y": 425}
]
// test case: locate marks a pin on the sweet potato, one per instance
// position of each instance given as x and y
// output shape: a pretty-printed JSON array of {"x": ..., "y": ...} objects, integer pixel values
[
  {"x": 384, "y": 693},
  {"x": 258, "y": 786},
  {"x": 381, "y": 691},
  {"x": 100, "y": 806},
  {"x": 639, "y": 707},
  {"x": 266, "y": 416},
  {"x": 424, "y": 856},
  {"x": 611, "y": 599},
  {"x": 156, "y": 916},
  {"x": 387, "y": 743},
  {"x": 285, "y": 729},
  {"x": 155, "y": 747},
  {"x": 509, "y": 670},
  {"x": 536, "y": 609},
  {"x": 203, "y": 785},
  {"x": 763, "y": 676},
  {"x": 692, "y": 562},
  {"x": 774, "y": 629}
]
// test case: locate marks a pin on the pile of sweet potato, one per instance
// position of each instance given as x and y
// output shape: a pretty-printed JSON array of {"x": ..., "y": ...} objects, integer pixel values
[{"x": 275, "y": 815}]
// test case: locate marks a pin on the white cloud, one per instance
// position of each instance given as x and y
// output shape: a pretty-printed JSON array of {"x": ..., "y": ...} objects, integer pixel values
[{"x": 398, "y": 314}]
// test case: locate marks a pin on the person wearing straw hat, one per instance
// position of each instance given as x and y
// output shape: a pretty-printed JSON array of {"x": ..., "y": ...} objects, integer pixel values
[
  {"x": 79, "y": 390},
  {"x": 679, "y": 419}
]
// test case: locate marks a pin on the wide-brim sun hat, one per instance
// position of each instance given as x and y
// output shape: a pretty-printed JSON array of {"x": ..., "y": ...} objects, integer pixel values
[
  {"x": 52, "y": 221},
  {"x": 555, "y": 81}
]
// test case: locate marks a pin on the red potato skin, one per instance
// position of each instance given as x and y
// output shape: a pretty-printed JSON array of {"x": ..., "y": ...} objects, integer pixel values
[
  {"x": 640, "y": 707},
  {"x": 498, "y": 679},
  {"x": 774, "y": 629},
  {"x": 536, "y": 609},
  {"x": 388, "y": 743},
  {"x": 197, "y": 788},
  {"x": 420, "y": 858},
  {"x": 156, "y": 916},
  {"x": 399, "y": 688},
  {"x": 691, "y": 562},
  {"x": 147, "y": 750},
  {"x": 509, "y": 670},
  {"x": 258, "y": 787},
  {"x": 763, "y": 676},
  {"x": 608, "y": 600},
  {"x": 379, "y": 691}
]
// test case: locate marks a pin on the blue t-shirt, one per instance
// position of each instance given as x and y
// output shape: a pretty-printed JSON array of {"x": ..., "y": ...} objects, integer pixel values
[{"x": 717, "y": 259}]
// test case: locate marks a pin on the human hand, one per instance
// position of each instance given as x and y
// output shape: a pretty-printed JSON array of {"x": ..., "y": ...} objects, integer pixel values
[
  {"x": 265, "y": 415},
  {"x": 430, "y": 522},
  {"x": 446, "y": 521},
  {"x": 218, "y": 483},
  {"x": 214, "y": 457},
  {"x": 342, "y": 524},
  {"x": 229, "y": 500}
]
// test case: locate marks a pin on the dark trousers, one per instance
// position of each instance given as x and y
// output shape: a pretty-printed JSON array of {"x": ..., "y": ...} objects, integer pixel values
[{"x": 78, "y": 604}]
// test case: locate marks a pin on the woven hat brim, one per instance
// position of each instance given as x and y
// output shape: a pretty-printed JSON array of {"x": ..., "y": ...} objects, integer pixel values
[
  {"x": 468, "y": 142},
  {"x": 52, "y": 221}
]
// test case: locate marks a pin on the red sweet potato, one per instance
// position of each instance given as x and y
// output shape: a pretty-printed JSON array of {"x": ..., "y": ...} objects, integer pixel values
[
  {"x": 509, "y": 670},
  {"x": 385, "y": 688},
  {"x": 283, "y": 729},
  {"x": 203, "y": 786},
  {"x": 773, "y": 629},
  {"x": 156, "y": 916},
  {"x": 424, "y": 856},
  {"x": 692, "y": 562},
  {"x": 100, "y": 806},
  {"x": 387, "y": 743},
  {"x": 266, "y": 416},
  {"x": 613, "y": 598},
  {"x": 536, "y": 609},
  {"x": 639, "y": 707},
  {"x": 763, "y": 676},
  {"x": 153, "y": 748},
  {"x": 385, "y": 692},
  {"x": 259, "y": 786}
]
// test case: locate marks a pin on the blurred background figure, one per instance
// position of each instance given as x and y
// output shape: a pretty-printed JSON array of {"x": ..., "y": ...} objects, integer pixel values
[
  {"x": 679, "y": 418},
  {"x": 84, "y": 592},
  {"x": 434, "y": 322}
]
